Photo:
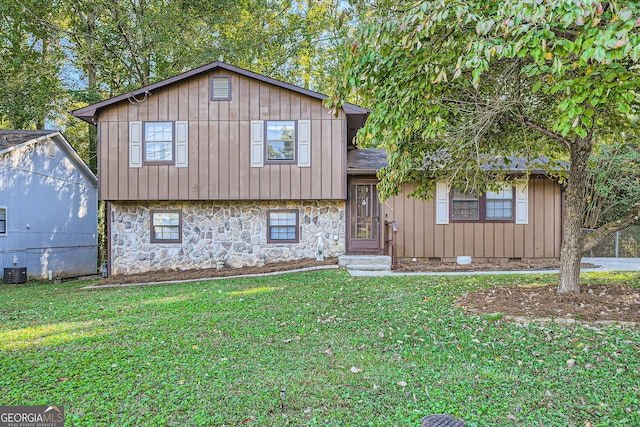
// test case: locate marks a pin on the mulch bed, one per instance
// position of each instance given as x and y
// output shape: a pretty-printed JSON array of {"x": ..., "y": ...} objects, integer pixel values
[
  {"x": 507, "y": 265},
  {"x": 168, "y": 276},
  {"x": 594, "y": 302}
]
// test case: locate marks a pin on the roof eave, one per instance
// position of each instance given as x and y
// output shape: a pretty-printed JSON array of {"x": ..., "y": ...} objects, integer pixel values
[{"x": 90, "y": 112}]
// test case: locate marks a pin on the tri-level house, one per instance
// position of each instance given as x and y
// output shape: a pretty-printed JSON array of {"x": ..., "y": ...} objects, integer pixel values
[{"x": 220, "y": 164}]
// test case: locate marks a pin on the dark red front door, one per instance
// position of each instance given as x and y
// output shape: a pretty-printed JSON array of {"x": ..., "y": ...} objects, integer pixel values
[{"x": 364, "y": 217}]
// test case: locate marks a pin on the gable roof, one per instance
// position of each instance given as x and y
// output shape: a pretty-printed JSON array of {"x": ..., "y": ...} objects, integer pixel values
[
  {"x": 90, "y": 112},
  {"x": 11, "y": 140}
]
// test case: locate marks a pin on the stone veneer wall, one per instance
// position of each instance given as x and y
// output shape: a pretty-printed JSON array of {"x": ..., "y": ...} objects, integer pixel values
[{"x": 234, "y": 232}]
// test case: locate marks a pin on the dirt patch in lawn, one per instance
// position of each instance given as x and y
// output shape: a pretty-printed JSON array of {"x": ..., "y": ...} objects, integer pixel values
[
  {"x": 593, "y": 303},
  {"x": 168, "y": 276}
]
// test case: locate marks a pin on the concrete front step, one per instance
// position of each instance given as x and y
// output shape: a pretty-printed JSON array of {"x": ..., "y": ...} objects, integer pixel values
[{"x": 365, "y": 262}]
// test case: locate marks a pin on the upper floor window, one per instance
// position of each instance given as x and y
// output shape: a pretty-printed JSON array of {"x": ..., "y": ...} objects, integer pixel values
[
  {"x": 158, "y": 142},
  {"x": 491, "y": 206},
  {"x": 280, "y": 141},
  {"x": 220, "y": 88},
  {"x": 166, "y": 226},
  {"x": 3, "y": 220}
]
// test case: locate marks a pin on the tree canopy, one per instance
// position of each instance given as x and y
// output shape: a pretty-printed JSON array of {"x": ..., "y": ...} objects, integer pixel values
[
  {"x": 452, "y": 85},
  {"x": 59, "y": 55}
]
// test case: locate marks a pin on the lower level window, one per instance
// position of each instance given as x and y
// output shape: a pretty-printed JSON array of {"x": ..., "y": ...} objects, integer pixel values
[
  {"x": 166, "y": 226},
  {"x": 282, "y": 226},
  {"x": 3, "y": 221}
]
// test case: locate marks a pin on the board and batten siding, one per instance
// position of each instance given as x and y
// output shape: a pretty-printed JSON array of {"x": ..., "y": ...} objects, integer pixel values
[
  {"x": 420, "y": 237},
  {"x": 219, "y": 163}
]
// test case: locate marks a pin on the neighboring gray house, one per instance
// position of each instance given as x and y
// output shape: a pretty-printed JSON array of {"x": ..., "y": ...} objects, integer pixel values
[{"x": 48, "y": 205}]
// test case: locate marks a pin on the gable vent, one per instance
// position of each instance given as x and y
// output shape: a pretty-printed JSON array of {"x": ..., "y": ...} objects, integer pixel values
[{"x": 220, "y": 88}]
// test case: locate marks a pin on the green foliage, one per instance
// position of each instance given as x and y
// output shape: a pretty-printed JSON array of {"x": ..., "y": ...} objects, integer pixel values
[
  {"x": 219, "y": 353},
  {"x": 615, "y": 183},
  {"x": 453, "y": 84},
  {"x": 31, "y": 59}
]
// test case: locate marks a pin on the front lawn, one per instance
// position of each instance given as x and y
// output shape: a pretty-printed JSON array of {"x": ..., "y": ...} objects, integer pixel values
[{"x": 318, "y": 348}]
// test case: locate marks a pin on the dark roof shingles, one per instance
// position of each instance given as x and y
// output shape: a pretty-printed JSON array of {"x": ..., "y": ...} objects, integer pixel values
[
  {"x": 11, "y": 138},
  {"x": 366, "y": 159}
]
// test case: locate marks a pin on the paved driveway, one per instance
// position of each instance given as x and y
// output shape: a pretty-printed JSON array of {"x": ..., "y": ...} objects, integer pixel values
[
  {"x": 614, "y": 264},
  {"x": 603, "y": 264}
]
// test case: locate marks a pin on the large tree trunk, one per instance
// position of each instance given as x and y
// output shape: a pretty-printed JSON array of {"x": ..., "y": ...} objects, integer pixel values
[{"x": 575, "y": 203}]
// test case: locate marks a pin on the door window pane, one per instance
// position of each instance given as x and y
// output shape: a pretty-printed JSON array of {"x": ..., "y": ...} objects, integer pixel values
[{"x": 364, "y": 209}]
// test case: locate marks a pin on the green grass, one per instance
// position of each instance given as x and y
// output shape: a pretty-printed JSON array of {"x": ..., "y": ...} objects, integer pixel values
[{"x": 219, "y": 353}]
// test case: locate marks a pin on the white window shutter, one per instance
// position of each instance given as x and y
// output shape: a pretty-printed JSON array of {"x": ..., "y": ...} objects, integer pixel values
[
  {"x": 304, "y": 143},
  {"x": 257, "y": 143},
  {"x": 182, "y": 144},
  {"x": 135, "y": 144},
  {"x": 442, "y": 203},
  {"x": 522, "y": 204}
]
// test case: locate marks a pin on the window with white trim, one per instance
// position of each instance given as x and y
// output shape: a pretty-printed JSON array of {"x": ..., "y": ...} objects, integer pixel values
[
  {"x": 282, "y": 226},
  {"x": 280, "y": 141},
  {"x": 492, "y": 206},
  {"x": 166, "y": 226},
  {"x": 158, "y": 142},
  {"x": 3, "y": 221}
]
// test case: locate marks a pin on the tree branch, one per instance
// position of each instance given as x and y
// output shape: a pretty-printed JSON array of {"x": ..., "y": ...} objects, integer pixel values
[
  {"x": 598, "y": 235},
  {"x": 546, "y": 132}
]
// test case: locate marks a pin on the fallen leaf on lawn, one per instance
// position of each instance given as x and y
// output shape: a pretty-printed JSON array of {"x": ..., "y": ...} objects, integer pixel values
[
  {"x": 355, "y": 370},
  {"x": 402, "y": 383},
  {"x": 195, "y": 347},
  {"x": 63, "y": 379}
]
